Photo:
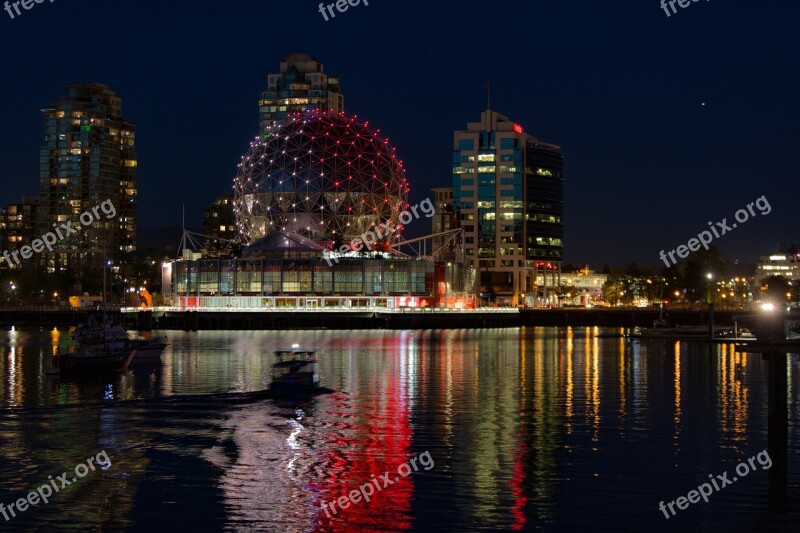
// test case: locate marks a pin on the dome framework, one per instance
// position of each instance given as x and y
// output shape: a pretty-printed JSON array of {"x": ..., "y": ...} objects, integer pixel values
[{"x": 323, "y": 175}]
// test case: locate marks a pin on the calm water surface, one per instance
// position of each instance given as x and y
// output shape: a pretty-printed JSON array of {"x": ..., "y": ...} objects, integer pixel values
[{"x": 529, "y": 429}]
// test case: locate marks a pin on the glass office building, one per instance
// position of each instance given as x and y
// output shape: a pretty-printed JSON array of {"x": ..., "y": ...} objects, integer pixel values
[{"x": 508, "y": 191}]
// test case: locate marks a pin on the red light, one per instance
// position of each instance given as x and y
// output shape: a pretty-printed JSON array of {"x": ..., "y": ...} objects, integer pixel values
[{"x": 517, "y": 128}]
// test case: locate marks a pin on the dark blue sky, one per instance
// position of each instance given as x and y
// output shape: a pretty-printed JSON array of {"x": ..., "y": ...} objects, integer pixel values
[{"x": 617, "y": 84}]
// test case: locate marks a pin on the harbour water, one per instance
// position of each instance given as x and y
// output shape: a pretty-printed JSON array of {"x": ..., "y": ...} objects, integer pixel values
[{"x": 554, "y": 429}]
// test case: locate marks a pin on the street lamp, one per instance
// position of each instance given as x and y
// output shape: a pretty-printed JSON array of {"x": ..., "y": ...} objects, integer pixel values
[{"x": 710, "y": 276}]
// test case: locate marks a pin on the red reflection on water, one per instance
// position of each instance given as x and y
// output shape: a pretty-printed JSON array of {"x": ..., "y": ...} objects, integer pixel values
[
  {"x": 372, "y": 438},
  {"x": 517, "y": 484}
]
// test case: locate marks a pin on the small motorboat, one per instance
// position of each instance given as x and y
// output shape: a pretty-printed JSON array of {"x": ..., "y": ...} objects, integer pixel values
[{"x": 295, "y": 372}]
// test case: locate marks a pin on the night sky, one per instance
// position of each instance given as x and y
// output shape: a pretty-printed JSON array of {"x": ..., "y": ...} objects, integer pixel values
[{"x": 619, "y": 85}]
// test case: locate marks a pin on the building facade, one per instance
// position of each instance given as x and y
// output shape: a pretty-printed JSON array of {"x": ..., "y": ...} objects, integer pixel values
[
  {"x": 508, "y": 191},
  {"x": 581, "y": 288},
  {"x": 786, "y": 265},
  {"x": 444, "y": 219},
  {"x": 19, "y": 227},
  {"x": 301, "y": 85},
  {"x": 219, "y": 219},
  {"x": 88, "y": 157},
  {"x": 285, "y": 269},
  {"x": 219, "y": 224}
]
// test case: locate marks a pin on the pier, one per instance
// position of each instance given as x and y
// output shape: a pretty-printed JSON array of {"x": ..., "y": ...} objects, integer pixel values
[{"x": 211, "y": 318}]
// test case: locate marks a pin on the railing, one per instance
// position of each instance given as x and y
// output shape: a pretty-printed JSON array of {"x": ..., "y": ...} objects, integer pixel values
[
  {"x": 288, "y": 309},
  {"x": 38, "y": 308}
]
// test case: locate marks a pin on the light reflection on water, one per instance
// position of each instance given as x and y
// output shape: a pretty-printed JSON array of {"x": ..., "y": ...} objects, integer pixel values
[{"x": 537, "y": 428}]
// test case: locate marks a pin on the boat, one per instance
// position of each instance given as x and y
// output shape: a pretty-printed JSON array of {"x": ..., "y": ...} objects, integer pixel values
[
  {"x": 149, "y": 349},
  {"x": 792, "y": 330},
  {"x": 110, "y": 333},
  {"x": 92, "y": 332},
  {"x": 678, "y": 332},
  {"x": 98, "y": 358},
  {"x": 294, "y": 372}
]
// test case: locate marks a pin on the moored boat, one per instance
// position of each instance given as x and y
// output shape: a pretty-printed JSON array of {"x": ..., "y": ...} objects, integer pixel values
[
  {"x": 96, "y": 358},
  {"x": 108, "y": 333},
  {"x": 93, "y": 332},
  {"x": 678, "y": 332},
  {"x": 149, "y": 349}
]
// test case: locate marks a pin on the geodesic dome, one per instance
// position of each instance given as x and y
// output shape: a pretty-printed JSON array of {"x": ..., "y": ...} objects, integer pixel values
[{"x": 319, "y": 174}]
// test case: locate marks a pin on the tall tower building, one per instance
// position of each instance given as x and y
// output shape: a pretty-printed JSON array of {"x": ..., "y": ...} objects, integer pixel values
[
  {"x": 88, "y": 157},
  {"x": 508, "y": 191},
  {"x": 301, "y": 85}
]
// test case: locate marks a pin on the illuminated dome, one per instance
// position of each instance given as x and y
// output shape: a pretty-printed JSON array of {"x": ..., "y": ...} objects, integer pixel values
[{"x": 323, "y": 175}]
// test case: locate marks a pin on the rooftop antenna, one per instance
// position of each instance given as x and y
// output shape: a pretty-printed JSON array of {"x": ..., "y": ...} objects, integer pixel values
[{"x": 183, "y": 244}]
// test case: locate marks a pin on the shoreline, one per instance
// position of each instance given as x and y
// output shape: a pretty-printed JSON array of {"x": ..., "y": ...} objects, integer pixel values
[{"x": 366, "y": 319}]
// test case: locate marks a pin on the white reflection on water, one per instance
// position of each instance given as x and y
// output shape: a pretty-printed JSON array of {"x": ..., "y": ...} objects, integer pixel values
[
  {"x": 259, "y": 494},
  {"x": 291, "y": 440}
]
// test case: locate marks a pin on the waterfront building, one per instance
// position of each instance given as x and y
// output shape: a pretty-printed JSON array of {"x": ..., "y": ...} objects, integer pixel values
[
  {"x": 88, "y": 157},
  {"x": 582, "y": 288},
  {"x": 782, "y": 264},
  {"x": 301, "y": 84},
  {"x": 508, "y": 191},
  {"x": 18, "y": 224},
  {"x": 320, "y": 204},
  {"x": 285, "y": 269}
]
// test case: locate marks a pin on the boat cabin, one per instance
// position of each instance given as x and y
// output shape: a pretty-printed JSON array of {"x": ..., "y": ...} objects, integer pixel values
[{"x": 294, "y": 371}]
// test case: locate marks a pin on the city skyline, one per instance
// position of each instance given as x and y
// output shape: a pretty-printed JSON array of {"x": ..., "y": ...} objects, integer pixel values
[
  {"x": 360, "y": 265},
  {"x": 651, "y": 136}
]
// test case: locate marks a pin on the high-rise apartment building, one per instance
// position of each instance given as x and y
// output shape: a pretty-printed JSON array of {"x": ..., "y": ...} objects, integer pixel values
[
  {"x": 508, "y": 191},
  {"x": 301, "y": 85},
  {"x": 88, "y": 157}
]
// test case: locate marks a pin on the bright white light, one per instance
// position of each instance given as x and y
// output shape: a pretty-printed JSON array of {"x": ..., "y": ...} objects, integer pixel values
[{"x": 767, "y": 307}]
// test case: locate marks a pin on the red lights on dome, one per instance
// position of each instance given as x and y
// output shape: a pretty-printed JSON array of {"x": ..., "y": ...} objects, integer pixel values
[{"x": 319, "y": 170}]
